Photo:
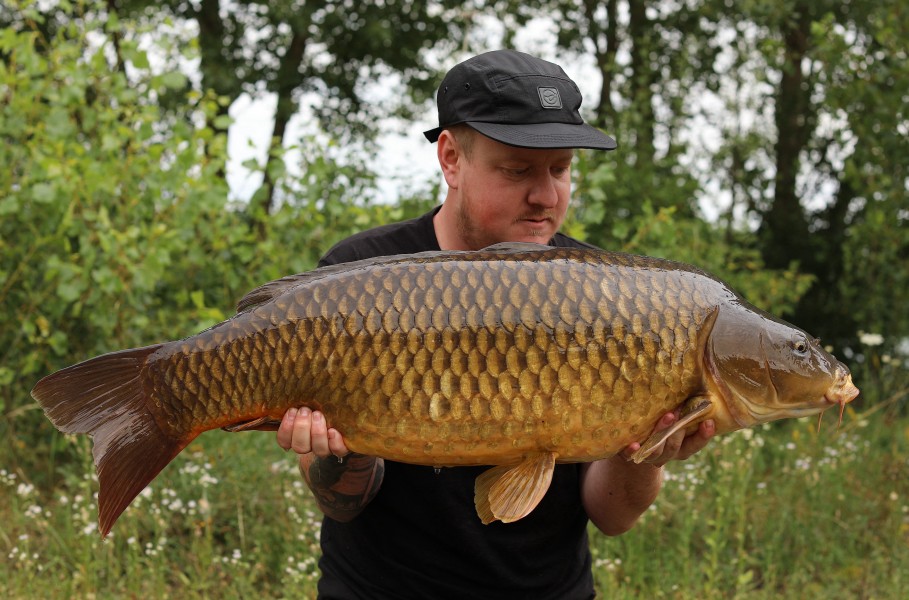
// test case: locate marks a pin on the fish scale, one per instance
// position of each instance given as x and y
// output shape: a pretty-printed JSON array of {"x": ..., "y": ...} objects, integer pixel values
[{"x": 515, "y": 356}]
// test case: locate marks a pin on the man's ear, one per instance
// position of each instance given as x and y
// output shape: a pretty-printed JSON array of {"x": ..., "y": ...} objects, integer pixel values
[{"x": 450, "y": 156}]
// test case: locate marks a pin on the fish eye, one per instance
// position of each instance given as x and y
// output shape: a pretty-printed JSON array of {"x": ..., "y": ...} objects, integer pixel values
[{"x": 800, "y": 346}]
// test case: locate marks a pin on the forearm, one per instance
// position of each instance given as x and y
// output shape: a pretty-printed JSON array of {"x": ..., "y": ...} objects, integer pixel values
[
  {"x": 616, "y": 492},
  {"x": 342, "y": 489}
]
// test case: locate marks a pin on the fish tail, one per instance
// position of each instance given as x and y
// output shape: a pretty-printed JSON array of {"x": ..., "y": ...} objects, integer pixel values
[{"x": 104, "y": 397}]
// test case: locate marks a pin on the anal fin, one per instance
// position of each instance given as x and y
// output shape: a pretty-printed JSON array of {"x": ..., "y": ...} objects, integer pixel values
[
  {"x": 694, "y": 409},
  {"x": 510, "y": 492}
]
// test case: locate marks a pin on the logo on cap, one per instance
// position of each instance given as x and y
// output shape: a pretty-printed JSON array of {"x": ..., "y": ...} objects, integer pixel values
[{"x": 549, "y": 97}]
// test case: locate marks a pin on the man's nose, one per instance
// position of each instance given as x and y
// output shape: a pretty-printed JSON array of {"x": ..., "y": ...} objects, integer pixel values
[{"x": 544, "y": 192}]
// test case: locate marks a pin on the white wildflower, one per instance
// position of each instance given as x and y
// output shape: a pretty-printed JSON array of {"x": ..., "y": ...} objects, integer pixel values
[{"x": 871, "y": 339}]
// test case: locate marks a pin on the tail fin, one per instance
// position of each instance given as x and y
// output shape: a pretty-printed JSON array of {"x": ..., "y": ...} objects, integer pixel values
[{"x": 104, "y": 397}]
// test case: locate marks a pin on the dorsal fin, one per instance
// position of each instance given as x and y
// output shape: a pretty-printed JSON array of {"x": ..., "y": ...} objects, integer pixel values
[
  {"x": 273, "y": 289},
  {"x": 515, "y": 247}
]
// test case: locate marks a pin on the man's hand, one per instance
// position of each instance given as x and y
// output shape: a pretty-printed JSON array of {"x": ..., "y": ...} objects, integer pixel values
[
  {"x": 342, "y": 481},
  {"x": 678, "y": 446},
  {"x": 305, "y": 431}
]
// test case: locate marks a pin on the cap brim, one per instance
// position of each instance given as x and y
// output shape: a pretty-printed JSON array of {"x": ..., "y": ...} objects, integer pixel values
[
  {"x": 547, "y": 135},
  {"x": 539, "y": 135}
]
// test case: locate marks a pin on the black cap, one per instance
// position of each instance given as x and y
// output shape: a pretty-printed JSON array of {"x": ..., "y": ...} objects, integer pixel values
[{"x": 516, "y": 99}]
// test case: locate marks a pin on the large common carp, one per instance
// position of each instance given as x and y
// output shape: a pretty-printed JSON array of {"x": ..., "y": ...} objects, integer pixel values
[{"x": 517, "y": 356}]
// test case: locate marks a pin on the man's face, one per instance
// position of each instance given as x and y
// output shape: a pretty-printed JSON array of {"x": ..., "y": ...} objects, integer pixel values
[{"x": 509, "y": 194}]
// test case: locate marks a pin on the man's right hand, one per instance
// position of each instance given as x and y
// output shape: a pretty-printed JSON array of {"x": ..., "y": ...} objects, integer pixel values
[
  {"x": 305, "y": 431},
  {"x": 342, "y": 481}
]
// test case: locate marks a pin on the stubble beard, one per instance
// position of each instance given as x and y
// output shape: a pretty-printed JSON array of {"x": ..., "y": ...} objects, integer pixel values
[
  {"x": 473, "y": 235},
  {"x": 538, "y": 233},
  {"x": 468, "y": 230}
]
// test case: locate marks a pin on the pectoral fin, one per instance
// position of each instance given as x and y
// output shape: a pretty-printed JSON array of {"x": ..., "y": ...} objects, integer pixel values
[
  {"x": 260, "y": 424},
  {"x": 694, "y": 409},
  {"x": 509, "y": 492}
]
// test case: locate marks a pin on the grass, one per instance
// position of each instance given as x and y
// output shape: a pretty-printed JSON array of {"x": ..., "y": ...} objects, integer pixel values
[{"x": 777, "y": 512}]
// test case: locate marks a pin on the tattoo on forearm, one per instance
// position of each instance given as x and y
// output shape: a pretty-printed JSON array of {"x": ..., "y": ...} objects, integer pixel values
[{"x": 344, "y": 489}]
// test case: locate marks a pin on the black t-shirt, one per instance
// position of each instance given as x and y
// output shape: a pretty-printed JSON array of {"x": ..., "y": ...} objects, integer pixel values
[{"x": 421, "y": 538}]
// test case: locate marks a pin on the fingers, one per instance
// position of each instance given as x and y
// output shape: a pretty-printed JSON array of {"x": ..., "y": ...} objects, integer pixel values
[
  {"x": 336, "y": 444},
  {"x": 311, "y": 433},
  {"x": 695, "y": 442},
  {"x": 306, "y": 431},
  {"x": 285, "y": 429}
]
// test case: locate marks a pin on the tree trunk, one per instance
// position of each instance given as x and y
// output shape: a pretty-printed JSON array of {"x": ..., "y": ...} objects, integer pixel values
[
  {"x": 287, "y": 80},
  {"x": 217, "y": 71},
  {"x": 784, "y": 230},
  {"x": 642, "y": 80},
  {"x": 605, "y": 41}
]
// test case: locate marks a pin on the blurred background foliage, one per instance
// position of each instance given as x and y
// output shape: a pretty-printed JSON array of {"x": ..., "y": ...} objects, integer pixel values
[{"x": 117, "y": 227}]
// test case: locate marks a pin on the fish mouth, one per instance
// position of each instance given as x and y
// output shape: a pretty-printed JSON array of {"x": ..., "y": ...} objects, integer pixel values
[{"x": 842, "y": 391}]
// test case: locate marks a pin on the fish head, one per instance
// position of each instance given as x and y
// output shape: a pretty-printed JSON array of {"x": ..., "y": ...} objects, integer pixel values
[{"x": 768, "y": 369}]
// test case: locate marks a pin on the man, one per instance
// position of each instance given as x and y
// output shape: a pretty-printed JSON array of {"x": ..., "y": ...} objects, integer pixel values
[{"x": 508, "y": 123}]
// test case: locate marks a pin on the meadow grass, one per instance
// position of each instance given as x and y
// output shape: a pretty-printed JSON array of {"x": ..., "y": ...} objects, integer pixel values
[{"x": 776, "y": 512}]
